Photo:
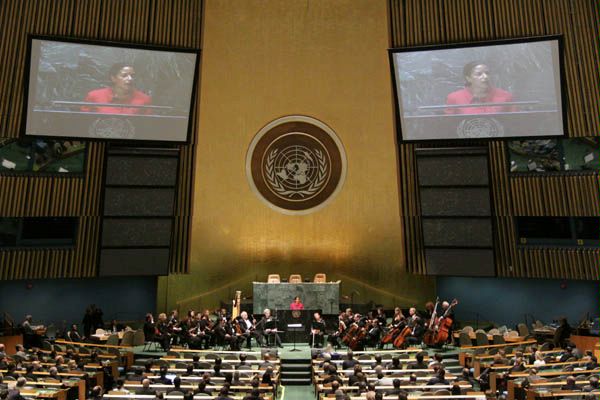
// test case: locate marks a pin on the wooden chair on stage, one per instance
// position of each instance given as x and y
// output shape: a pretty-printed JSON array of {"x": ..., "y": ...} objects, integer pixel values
[
  {"x": 295, "y": 278},
  {"x": 273, "y": 278},
  {"x": 320, "y": 278}
]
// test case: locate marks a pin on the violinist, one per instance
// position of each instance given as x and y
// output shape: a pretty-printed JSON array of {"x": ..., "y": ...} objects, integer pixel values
[
  {"x": 225, "y": 334},
  {"x": 317, "y": 330},
  {"x": 174, "y": 328},
  {"x": 249, "y": 331},
  {"x": 200, "y": 333},
  {"x": 162, "y": 334}
]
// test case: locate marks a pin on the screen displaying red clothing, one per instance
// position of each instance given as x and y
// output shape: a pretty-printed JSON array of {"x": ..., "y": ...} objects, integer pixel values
[
  {"x": 465, "y": 96},
  {"x": 105, "y": 95},
  {"x": 296, "y": 306}
]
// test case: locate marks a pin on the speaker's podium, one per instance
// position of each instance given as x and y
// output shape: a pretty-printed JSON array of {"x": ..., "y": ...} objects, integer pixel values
[{"x": 296, "y": 323}]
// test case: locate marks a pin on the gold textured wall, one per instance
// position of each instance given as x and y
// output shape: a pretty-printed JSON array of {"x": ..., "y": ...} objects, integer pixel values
[{"x": 262, "y": 60}]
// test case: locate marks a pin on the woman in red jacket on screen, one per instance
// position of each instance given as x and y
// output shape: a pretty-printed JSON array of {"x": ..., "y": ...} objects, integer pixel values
[
  {"x": 122, "y": 92},
  {"x": 478, "y": 90}
]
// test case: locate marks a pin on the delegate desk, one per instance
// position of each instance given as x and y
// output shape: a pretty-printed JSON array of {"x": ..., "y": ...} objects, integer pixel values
[{"x": 314, "y": 296}]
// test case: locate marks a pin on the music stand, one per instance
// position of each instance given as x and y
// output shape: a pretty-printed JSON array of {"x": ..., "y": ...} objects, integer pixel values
[{"x": 294, "y": 328}]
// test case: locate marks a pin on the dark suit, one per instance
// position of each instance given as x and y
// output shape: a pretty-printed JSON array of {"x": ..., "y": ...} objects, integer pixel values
[
  {"x": 349, "y": 364},
  {"x": 146, "y": 391}
]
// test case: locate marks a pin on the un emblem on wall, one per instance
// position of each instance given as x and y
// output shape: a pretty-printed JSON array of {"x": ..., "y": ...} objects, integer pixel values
[{"x": 296, "y": 164}]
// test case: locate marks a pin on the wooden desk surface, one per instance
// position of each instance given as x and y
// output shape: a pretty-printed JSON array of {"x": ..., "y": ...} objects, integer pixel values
[{"x": 508, "y": 339}]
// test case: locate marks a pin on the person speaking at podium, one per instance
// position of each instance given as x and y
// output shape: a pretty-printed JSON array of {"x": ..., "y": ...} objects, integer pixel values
[
  {"x": 121, "y": 92},
  {"x": 478, "y": 90},
  {"x": 297, "y": 304}
]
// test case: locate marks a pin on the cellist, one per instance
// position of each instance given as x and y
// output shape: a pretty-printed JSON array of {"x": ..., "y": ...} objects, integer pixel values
[
  {"x": 415, "y": 322},
  {"x": 336, "y": 336}
]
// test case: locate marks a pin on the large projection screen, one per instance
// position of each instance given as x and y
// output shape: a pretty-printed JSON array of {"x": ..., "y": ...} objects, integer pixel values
[
  {"x": 485, "y": 90},
  {"x": 109, "y": 91}
]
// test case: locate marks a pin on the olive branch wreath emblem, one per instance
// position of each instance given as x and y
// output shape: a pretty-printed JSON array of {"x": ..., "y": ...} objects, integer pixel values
[{"x": 282, "y": 190}]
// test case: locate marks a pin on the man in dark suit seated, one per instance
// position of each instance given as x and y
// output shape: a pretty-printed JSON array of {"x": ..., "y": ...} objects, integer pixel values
[
  {"x": 223, "y": 394},
  {"x": 254, "y": 395},
  {"x": 420, "y": 364},
  {"x": 439, "y": 379},
  {"x": 593, "y": 384},
  {"x": 163, "y": 377},
  {"x": 176, "y": 386},
  {"x": 571, "y": 385},
  {"x": 146, "y": 389},
  {"x": 350, "y": 361}
]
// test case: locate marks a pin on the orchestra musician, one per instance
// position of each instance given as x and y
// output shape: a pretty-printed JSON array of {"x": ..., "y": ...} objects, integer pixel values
[
  {"x": 249, "y": 331},
  {"x": 335, "y": 337},
  {"x": 268, "y": 327},
  {"x": 225, "y": 334},
  {"x": 445, "y": 312},
  {"x": 317, "y": 330},
  {"x": 415, "y": 322},
  {"x": 162, "y": 334},
  {"x": 200, "y": 332},
  {"x": 174, "y": 328}
]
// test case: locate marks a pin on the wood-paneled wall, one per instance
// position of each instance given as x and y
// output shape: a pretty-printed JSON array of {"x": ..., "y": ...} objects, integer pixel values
[
  {"x": 159, "y": 22},
  {"x": 419, "y": 22}
]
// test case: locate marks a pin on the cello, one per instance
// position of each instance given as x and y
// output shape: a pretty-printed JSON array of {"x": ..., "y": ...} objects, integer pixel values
[
  {"x": 401, "y": 338},
  {"x": 445, "y": 324},
  {"x": 349, "y": 334},
  {"x": 395, "y": 328}
]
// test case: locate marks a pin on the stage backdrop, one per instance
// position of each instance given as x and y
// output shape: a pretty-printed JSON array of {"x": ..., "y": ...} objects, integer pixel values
[{"x": 326, "y": 60}]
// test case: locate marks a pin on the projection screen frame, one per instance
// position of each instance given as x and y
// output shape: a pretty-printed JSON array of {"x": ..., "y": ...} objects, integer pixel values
[
  {"x": 561, "y": 88},
  {"x": 32, "y": 71}
]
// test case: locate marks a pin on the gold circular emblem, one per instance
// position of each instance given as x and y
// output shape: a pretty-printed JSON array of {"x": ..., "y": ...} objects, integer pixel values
[{"x": 296, "y": 164}]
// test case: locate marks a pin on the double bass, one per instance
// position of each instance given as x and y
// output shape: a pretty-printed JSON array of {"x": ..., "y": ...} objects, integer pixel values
[
  {"x": 430, "y": 334},
  {"x": 445, "y": 323}
]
